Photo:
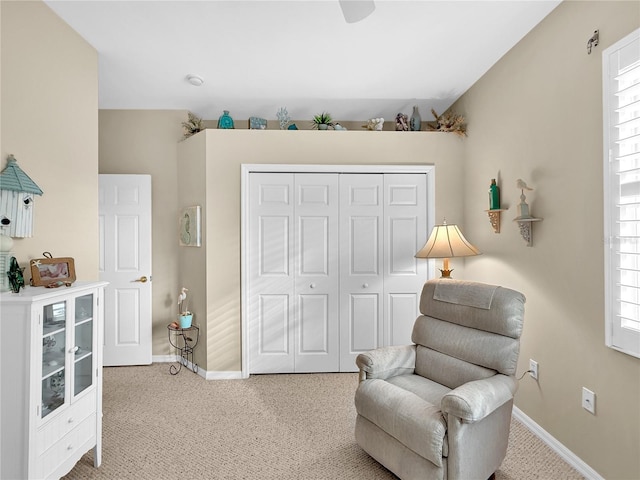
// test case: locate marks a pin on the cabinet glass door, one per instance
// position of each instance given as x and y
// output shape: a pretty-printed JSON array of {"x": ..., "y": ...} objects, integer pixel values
[
  {"x": 83, "y": 346},
  {"x": 53, "y": 357}
]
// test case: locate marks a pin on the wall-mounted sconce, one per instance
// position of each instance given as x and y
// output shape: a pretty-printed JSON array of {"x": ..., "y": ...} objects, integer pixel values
[{"x": 593, "y": 41}]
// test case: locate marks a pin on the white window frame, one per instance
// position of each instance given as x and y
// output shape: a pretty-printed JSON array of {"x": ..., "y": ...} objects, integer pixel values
[{"x": 617, "y": 335}]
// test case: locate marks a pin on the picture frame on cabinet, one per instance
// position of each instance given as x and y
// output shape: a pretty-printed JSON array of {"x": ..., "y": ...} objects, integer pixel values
[
  {"x": 189, "y": 221},
  {"x": 48, "y": 271}
]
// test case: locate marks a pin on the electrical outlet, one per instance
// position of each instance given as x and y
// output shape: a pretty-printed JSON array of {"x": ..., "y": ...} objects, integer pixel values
[
  {"x": 533, "y": 366},
  {"x": 588, "y": 400}
]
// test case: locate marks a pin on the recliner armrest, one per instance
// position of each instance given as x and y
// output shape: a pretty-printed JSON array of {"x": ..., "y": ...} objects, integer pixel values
[
  {"x": 387, "y": 362},
  {"x": 475, "y": 400}
]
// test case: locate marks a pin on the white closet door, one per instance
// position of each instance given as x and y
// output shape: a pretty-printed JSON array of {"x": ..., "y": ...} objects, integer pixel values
[
  {"x": 270, "y": 295},
  {"x": 361, "y": 266},
  {"x": 317, "y": 277},
  {"x": 405, "y": 218}
]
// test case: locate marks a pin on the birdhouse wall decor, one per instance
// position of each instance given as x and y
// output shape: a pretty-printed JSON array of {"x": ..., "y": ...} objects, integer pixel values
[{"x": 17, "y": 192}]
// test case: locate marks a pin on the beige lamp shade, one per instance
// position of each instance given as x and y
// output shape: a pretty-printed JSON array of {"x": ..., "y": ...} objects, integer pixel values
[{"x": 447, "y": 241}]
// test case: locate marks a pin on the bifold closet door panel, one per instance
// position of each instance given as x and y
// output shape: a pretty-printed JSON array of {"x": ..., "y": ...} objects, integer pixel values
[
  {"x": 332, "y": 271},
  {"x": 270, "y": 295},
  {"x": 405, "y": 220},
  {"x": 316, "y": 343},
  {"x": 361, "y": 266}
]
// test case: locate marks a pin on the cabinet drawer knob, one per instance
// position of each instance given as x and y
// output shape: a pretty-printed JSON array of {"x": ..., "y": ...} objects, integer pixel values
[
  {"x": 70, "y": 447},
  {"x": 313, "y": 285},
  {"x": 365, "y": 285},
  {"x": 74, "y": 349},
  {"x": 71, "y": 420}
]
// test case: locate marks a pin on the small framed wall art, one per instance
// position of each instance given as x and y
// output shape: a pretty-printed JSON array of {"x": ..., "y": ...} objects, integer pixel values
[
  {"x": 189, "y": 224},
  {"x": 49, "y": 271}
]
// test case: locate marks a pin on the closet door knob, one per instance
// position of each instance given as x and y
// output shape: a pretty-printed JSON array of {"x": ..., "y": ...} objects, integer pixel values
[
  {"x": 313, "y": 285},
  {"x": 365, "y": 285}
]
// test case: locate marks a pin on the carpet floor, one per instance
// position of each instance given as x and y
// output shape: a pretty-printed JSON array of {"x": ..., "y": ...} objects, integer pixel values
[{"x": 158, "y": 426}]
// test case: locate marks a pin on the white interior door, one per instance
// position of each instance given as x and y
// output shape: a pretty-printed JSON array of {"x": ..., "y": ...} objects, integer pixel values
[
  {"x": 361, "y": 266},
  {"x": 317, "y": 277},
  {"x": 405, "y": 218},
  {"x": 125, "y": 262},
  {"x": 270, "y": 295}
]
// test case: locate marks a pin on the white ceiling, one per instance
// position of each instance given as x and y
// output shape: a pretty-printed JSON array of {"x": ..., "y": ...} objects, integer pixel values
[{"x": 257, "y": 56}]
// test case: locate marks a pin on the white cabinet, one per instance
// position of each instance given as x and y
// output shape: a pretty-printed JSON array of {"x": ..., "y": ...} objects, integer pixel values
[
  {"x": 51, "y": 383},
  {"x": 331, "y": 267}
]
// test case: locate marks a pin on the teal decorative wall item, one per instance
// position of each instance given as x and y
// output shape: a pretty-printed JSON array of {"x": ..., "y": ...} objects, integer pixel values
[{"x": 225, "y": 120}]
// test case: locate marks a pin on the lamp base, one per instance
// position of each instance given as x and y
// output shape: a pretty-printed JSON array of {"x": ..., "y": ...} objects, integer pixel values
[{"x": 445, "y": 273}]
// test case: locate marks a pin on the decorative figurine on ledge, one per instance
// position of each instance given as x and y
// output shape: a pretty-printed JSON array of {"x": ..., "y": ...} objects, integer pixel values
[
  {"x": 448, "y": 122},
  {"x": 523, "y": 207},
  {"x": 402, "y": 123},
  {"x": 525, "y": 219},
  {"x": 283, "y": 118},
  {"x": 192, "y": 126},
  {"x": 374, "y": 124}
]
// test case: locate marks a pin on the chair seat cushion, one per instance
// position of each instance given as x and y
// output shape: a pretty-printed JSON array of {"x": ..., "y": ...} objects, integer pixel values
[
  {"x": 403, "y": 414},
  {"x": 426, "y": 389}
]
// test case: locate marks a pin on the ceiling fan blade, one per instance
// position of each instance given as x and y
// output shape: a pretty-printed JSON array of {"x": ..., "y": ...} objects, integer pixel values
[{"x": 356, "y": 10}]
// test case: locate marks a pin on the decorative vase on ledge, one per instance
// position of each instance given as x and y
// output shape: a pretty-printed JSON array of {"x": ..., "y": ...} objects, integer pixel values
[
  {"x": 415, "y": 122},
  {"x": 185, "y": 320},
  {"x": 225, "y": 120}
]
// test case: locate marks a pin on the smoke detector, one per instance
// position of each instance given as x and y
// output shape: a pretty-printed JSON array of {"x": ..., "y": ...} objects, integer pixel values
[{"x": 195, "y": 80}]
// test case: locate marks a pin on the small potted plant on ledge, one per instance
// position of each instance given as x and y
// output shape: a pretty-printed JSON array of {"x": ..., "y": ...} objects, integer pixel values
[
  {"x": 184, "y": 315},
  {"x": 322, "y": 121}
]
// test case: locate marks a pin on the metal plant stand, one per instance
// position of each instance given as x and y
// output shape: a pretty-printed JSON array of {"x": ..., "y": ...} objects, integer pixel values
[{"x": 184, "y": 340}]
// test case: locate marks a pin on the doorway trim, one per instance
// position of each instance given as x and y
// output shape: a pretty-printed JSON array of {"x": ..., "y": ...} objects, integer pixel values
[{"x": 249, "y": 168}]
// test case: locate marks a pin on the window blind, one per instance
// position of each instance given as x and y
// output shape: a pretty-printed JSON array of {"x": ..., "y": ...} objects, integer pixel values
[{"x": 621, "y": 93}]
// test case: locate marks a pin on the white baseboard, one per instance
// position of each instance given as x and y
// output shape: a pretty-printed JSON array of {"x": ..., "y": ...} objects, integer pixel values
[
  {"x": 566, "y": 454},
  {"x": 208, "y": 375},
  {"x": 164, "y": 358}
]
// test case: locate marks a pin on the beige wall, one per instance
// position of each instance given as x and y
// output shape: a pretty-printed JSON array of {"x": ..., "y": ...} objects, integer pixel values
[
  {"x": 146, "y": 142},
  {"x": 537, "y": 115},
  {"x": 193, "y": 270},
  {"x": 50, "y": 123},
  {"x": 226, "y": 150}
]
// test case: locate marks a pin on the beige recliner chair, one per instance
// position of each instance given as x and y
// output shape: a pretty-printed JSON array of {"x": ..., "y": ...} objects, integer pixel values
[{"x": 441, "y": 409}]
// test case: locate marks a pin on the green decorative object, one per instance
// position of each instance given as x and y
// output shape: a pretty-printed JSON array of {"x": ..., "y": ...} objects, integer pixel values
[
  {"x": 322, "y": 121},
  {"x": 16, "y": 279},
  {"x": 225, "y": 120},
  {"x": 494, "y": 195}
]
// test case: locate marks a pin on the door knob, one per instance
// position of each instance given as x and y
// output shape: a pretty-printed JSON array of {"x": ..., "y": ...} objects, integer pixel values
[{"x": 141, "y": 280}]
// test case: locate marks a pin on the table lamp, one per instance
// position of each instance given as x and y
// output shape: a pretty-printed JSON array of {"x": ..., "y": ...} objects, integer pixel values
[{"x": 446, "y": 241}]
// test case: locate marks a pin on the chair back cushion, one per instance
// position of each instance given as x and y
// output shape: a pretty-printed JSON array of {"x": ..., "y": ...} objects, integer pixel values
[{"x": 467, "y": 331}]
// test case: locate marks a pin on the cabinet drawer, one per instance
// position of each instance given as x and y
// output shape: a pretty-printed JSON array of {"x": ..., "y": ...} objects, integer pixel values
[
  {"x": 66, "y": 421},
  {"x": 66, "y": 446}
]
